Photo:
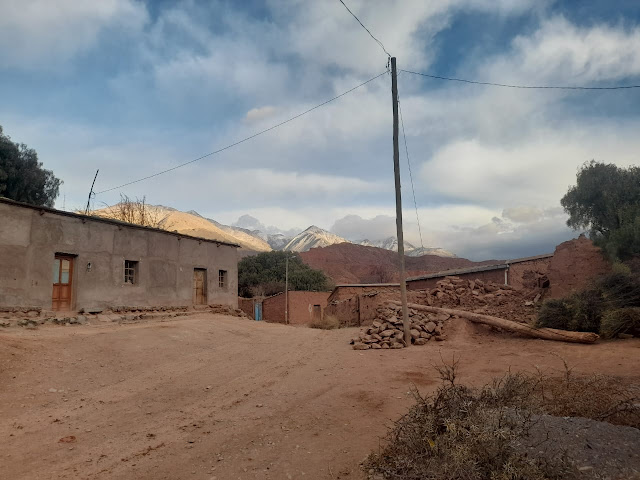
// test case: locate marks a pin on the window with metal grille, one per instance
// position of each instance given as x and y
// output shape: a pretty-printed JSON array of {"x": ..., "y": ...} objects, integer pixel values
[
  {"x": 130, "y": 271},
  {"x": 222, "y": 278}
]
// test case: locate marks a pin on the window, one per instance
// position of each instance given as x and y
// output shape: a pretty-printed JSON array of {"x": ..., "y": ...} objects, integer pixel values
[
  {"x": 222, "y": 278},
  {"x": 130, "y": 271}
]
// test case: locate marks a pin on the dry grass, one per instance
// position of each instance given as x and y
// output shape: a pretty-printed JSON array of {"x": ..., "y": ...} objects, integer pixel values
[
  {"x": 460, "y": 433},
  {"x": 327, "y": 322}
]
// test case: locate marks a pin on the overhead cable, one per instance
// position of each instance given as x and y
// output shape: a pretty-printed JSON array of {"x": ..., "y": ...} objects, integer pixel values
[
  {"x": 540, "y": 87},
  {"x": 415, "y": 204},
  {"x": 368, "y": 31},
  {"x": 244, "y": 139}
]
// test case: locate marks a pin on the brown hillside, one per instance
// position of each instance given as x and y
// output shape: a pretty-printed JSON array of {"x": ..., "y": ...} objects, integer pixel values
[{"x": 350, "y": 263}]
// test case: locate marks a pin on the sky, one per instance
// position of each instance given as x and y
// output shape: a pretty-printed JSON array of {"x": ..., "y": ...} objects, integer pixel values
[{"x": 133, "y": 88}]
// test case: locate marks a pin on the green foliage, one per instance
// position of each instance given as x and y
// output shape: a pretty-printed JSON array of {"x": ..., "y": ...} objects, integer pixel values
[
  {"x": 607, "y": 307},
  {"x": 264, "y": 274},
  {"x": 606, "y": 200},
  {"x": 22, "y": 177}
]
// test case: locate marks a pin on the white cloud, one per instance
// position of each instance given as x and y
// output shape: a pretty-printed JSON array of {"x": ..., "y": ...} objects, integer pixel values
[
  {"x": 562, "y": 52},
  {"x": 36, "y": 34},
  {"x": 260, "y": 113}
]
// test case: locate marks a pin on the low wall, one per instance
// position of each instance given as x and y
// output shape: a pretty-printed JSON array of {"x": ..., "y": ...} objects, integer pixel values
[
  {"x": 247, "y": 306},
  {"x": 496, "y": 276}
]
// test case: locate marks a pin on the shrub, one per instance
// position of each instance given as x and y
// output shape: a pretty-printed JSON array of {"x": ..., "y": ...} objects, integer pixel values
[
  {"x": 621, "y": 320},
  {"x": 585, "y": 311},
  {"x": 461, "y": 433},
  {"x": 327, "y": 322}
]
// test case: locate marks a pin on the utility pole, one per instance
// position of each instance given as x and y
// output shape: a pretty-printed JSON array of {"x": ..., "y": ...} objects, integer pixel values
[
  {"x": 400, "y": 234},
  {"x": 86, "y": 212},
  {"x": 286, "y": 290}
]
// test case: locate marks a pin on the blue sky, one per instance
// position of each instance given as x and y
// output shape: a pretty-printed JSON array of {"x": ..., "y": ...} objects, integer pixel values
[{"x": 134, "y": 87}]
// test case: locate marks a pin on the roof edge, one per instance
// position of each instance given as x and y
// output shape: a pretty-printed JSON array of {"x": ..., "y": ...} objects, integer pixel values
[{"x": 110, "y": 221}]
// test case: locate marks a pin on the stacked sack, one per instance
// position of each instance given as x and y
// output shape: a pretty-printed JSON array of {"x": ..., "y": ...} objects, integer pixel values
[{"x": 387, "y": 330}]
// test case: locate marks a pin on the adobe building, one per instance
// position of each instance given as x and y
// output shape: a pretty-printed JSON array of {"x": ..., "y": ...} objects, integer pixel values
[
  {"x": 304, "y": 307},
  {"x": 528, "y": 272},
  {"x": 56, "y": 260}
]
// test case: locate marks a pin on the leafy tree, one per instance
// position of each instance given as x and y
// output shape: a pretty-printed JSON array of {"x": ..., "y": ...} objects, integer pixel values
[
  {"x": 22, "y": 177},
  {"x": 606, "y": 200},
  {"x": 264, "y": 274}
]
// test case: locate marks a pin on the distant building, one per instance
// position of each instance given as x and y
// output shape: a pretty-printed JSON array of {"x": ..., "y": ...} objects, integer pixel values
[
  {"x": 56, "y": 260},
  {"x": 520, "y": 272},
  {"x": 304, "y": 307}
]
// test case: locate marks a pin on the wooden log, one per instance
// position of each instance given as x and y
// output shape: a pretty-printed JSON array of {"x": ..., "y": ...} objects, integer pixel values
[{"x": 511, "y": 326}]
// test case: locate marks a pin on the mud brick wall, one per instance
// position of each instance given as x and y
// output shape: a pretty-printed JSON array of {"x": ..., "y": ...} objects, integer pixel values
[
  {"x": 247, "y": 305},
  {"x": 301, "y": 307},
  {"x": 528, "y": 274},
  {"x": 496, "y": 276}
]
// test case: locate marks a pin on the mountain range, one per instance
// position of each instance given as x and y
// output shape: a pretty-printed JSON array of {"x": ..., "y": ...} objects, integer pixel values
[{"x": 255, "y": 240}]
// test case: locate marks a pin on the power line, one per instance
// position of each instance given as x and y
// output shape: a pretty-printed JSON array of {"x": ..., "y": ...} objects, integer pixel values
[
  {"x": 244, "y": 139},
  {"x": 362, "y": 25},
  {"x": 415, "y": 204},
  {"x": 540, "y": 87}
]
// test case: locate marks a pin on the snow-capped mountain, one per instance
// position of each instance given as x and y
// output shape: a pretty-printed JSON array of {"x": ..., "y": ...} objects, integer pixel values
[
  {"x": 277, "y": 241},
  {"x": 440, "y": 252},
  {"x": 390, "y": 243},
  {"x": 312, "y": 237}
]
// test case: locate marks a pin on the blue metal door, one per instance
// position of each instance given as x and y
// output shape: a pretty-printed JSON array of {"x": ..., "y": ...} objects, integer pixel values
[{"x": 257, "y": 311}]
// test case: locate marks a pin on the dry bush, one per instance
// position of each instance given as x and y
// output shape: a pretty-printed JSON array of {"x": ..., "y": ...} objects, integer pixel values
[
  {"x": 327, "y": 322},
  {"x": 622, "y": 320},
  {"x": 460, "y": 433},
  {"x": 612, "y": 299},
  {"x": 138, "y": 212}
]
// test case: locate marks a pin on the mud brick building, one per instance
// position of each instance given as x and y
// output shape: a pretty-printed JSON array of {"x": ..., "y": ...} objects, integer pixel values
[
  {"x": 56, "y": 260},
  {"x": 304, "y": 307}
]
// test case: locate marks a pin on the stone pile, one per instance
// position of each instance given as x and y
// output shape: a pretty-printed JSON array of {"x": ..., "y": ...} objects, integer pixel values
[
  {"x": 480, "y": 297},
  {"x": 386, "y": 331}
]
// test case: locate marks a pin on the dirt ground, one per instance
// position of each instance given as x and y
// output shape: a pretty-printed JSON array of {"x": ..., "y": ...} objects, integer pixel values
[{"x": 215, "y": 397}]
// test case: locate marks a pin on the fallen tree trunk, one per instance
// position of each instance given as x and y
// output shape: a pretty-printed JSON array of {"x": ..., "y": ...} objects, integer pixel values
[{"x": 544, "y": 333}]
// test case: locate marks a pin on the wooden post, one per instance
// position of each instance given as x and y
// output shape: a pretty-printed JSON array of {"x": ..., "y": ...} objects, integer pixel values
[
  {"x": 286, "y": 290},
  {"x": 396, "y": 171}
]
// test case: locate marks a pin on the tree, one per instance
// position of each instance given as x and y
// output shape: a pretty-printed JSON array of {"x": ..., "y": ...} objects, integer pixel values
[
  {"x": 136, "y": 211},
  {"x": 606, "y": 200},
  {"x": 264, "y": 274},
  {"x": 22, "y": 177}
]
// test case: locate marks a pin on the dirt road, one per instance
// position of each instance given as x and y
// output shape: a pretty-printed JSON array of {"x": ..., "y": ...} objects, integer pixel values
[{"x": 214, "y": 397}]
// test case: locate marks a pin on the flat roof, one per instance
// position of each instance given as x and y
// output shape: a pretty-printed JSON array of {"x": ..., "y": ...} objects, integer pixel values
[
  {"x": 528, "y": 259},
  {"x": 112, "y": 222}
]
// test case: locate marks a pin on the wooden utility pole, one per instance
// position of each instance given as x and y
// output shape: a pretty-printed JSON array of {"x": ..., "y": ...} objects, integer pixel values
[
  {"x": 400, "y": 234},
  {"x": 286, "y": 290}
]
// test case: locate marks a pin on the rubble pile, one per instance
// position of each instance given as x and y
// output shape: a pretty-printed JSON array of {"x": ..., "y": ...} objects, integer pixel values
[
  {"x": 386, "y": 331},
  {"x": 480, "y": 297}
]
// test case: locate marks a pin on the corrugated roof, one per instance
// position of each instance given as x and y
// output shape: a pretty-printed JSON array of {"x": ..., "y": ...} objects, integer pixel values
[{"x": 111, "y": 221}]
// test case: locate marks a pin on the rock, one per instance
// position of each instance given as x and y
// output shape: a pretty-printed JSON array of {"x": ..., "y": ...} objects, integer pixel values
[
  {"x": 528, "y": 304},
  {"x": 33, "y": 313},
  {"x": 399, "y": 336},
  {"x": 129, "y": 317},
  {"x": 441, "y": 317},
  {"x": 384, "y": 345},
  {"x": 360, "y": 346},
  {"x": 438, "y": 330},
  {"x": 624, "y": 336},
  {"x": 397, "y": 345},
  {"x": 425, "y": 335},
  {"x": 420, "y": 341},
  {"x": 73, "y": 320},
  {"x": 387, "y": 333},
  {"x": 375, "y": 346},
  {"x": 82, "y": 319},
  {"x": 415, "y": 334},
  {"x": 475, "y": 293},
  {"x": 430, "y": 327},
  {"x": 440, "y": 338},
  {"x": 376, "y": 324}
]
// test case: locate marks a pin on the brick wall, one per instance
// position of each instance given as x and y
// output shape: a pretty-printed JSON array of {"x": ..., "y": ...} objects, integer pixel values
[
  {"x": 301, "y": 307},
  {"x": 246, "y": 305}
]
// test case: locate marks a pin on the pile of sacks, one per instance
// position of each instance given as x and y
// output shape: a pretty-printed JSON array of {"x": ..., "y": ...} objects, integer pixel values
[{"x": 386, "y": 331}]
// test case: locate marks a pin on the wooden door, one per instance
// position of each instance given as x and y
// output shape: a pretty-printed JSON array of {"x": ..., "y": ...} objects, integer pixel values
[
  {"x": 317, "y": 313},
  {"x": 199, "y": 286},
  {"x": 62, "y": 278}
]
